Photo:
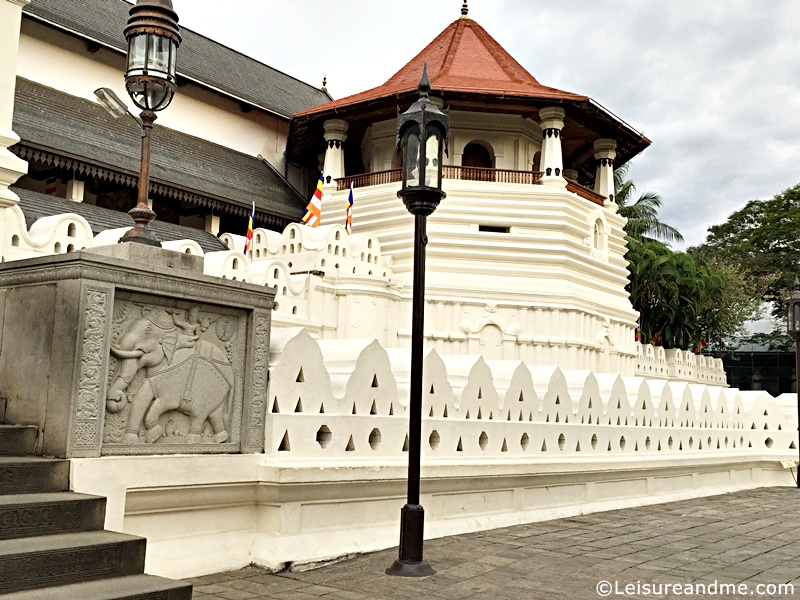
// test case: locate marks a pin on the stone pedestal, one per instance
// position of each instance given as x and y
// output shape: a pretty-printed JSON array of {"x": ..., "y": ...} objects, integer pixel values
[{"x": 129, "y": 349}]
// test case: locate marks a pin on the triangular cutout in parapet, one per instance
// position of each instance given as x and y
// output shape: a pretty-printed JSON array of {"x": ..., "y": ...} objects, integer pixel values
[
  {"x": 374, "y": 381},
  {"x": 275, "y": 407},
  {"x": 480, "y": 393},
  {"x": 391, "y": 410},
  {"x": 444, "y": 412},
  {"x": 405, "y": 444},
  {"x": 300, "y": 377},
  {"x": 354, "y": 408},
  {"x": 285, "y": 446},
  {"x": 298, "y": 408},
  {"x": 322, "y": 408},
  {"x": 505, "y": 446},
  {"x": 460, "y": 446},
  {"x": 578, "y": 447},
  {"x": 480, "y": 416},
  {"x": 544, "y": 445},
  {"x": 430, "y": 414},
  {"x": 350, "y": 445},
  {"x": 373, "y": 409},
  {"x": 432, "y": 392}
]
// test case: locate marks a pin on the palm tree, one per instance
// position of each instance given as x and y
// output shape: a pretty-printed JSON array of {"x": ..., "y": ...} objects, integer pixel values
[{"x": 642, "y": 214}]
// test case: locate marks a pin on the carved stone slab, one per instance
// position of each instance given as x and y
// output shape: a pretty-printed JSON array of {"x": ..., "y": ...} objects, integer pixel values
[
  {"x": 175, "y": 378},
  {"x": 108, "y": 355}
]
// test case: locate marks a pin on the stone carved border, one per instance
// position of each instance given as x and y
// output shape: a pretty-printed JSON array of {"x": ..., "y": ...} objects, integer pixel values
[
  {"x": 260, "y": 374},
  {"x": 90, "y": 372},
  {"x": 237, "y": 442}
]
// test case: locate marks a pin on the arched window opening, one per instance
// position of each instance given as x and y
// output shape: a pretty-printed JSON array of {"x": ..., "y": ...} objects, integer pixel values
[{"x": 599, "y": 234}]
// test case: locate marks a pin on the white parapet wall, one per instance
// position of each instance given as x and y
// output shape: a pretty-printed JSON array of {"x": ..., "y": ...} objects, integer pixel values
[{"x": 503, "y": 443}]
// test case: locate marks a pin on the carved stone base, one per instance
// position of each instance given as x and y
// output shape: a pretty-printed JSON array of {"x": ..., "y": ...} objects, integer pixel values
[{"x": 114, "y": 356}]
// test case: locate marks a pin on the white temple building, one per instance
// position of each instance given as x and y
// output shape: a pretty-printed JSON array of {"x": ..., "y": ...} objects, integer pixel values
[{"x": 538, "y": 402}]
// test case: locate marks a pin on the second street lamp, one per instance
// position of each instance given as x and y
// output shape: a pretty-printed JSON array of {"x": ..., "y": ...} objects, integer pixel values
[
  {"x": 153, "y": 40},
  {"x": 422, "y": 136},
  {"x": 793, "y": 329}
]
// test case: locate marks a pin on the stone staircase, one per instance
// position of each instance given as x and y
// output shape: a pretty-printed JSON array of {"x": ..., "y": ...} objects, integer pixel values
[{"x": 52, "y": 542}]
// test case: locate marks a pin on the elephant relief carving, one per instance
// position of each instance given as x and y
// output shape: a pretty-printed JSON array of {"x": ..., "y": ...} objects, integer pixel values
[{"x": 168, "y": 360}]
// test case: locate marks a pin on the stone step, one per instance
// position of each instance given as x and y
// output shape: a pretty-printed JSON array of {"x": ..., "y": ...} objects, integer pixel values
[
  {"x": 17, "y": 440},
  {"x": 133, "y": 587},
  {"x": 28, "y": 515},
  {"x": 55, "y": 560},
  {"x": 33, "y": 474}
]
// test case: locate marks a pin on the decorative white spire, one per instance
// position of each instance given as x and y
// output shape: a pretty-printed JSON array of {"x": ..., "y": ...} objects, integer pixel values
[{"x": 465, "y": 10}]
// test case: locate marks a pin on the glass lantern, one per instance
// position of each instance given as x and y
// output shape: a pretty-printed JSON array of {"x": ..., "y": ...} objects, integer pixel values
[
  {"x": 422, "y": 137},
  {"x": 153, "y": 41}
]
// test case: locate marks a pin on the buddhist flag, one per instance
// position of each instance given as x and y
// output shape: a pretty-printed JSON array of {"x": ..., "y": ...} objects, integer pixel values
[
  {"x": 249, "y": 241},
  {"x": 313, "y": 214},
  {"x": 348, "y": 223},
  {"x": 50, "y": 186}
]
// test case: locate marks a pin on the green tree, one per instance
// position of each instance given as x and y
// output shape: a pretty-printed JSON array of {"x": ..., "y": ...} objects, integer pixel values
[
  {"x": 642, "y": 213},
  {"x": 762, "y": 240}
]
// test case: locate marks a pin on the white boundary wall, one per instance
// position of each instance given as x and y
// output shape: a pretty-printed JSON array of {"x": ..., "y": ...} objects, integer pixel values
[{"x": 503, "y": 443}]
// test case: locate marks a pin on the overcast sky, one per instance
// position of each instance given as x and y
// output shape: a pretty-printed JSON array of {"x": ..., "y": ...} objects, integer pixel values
[{"x": 715, "y": 84}]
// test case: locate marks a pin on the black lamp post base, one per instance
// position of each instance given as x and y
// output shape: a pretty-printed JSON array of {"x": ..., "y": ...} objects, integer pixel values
[
  {"x": 140, "y": 237},
  {"x": 402, "y": 568},
  {"x": 410, "y": 562},
  {"x": 140, "y": 232}
]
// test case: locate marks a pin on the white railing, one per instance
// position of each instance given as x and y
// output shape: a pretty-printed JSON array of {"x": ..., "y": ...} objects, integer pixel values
[{"x": 335, "y": 401}]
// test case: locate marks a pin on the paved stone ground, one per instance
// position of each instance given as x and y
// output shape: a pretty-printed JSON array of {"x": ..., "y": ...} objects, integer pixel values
[{"x": 745, "y": 538}]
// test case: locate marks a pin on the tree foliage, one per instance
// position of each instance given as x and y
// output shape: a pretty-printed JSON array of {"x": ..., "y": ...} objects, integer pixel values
[
  {"x": 642, "y": 213},
  {"x": 763, "y": 241},
  {"x": 684, "y": 299}
]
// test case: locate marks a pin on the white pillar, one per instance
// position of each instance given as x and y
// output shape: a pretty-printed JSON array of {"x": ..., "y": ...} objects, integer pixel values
[
  {"x": 605, "y": 151},
  {"x": 11, "y": 167},
  {"x": 335, "y": 136},
  {"x": 212, "y": 224},
  {"x": 552, "y": 162},
  {"x": 76, "y": 190}
]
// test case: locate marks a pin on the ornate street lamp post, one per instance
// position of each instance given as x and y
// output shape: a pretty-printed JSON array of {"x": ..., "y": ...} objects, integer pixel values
[
  {"x": 793, "y": 329},
  {"x": 153, "y": 40},
  {"x": 422, "y": 137}
]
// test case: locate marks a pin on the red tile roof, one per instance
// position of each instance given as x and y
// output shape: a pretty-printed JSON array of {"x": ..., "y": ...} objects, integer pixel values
[{"x": 463, "y": 58}]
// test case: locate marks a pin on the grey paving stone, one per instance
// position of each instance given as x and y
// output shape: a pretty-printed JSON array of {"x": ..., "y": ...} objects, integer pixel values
[{"x": 748, "y": 536}]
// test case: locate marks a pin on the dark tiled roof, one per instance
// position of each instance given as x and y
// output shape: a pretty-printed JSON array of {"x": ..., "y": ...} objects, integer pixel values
[
  {"x": 36, "y": 206},
  {"x": 199, "y": 58},
  {"x": 51, "y": 120}
]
